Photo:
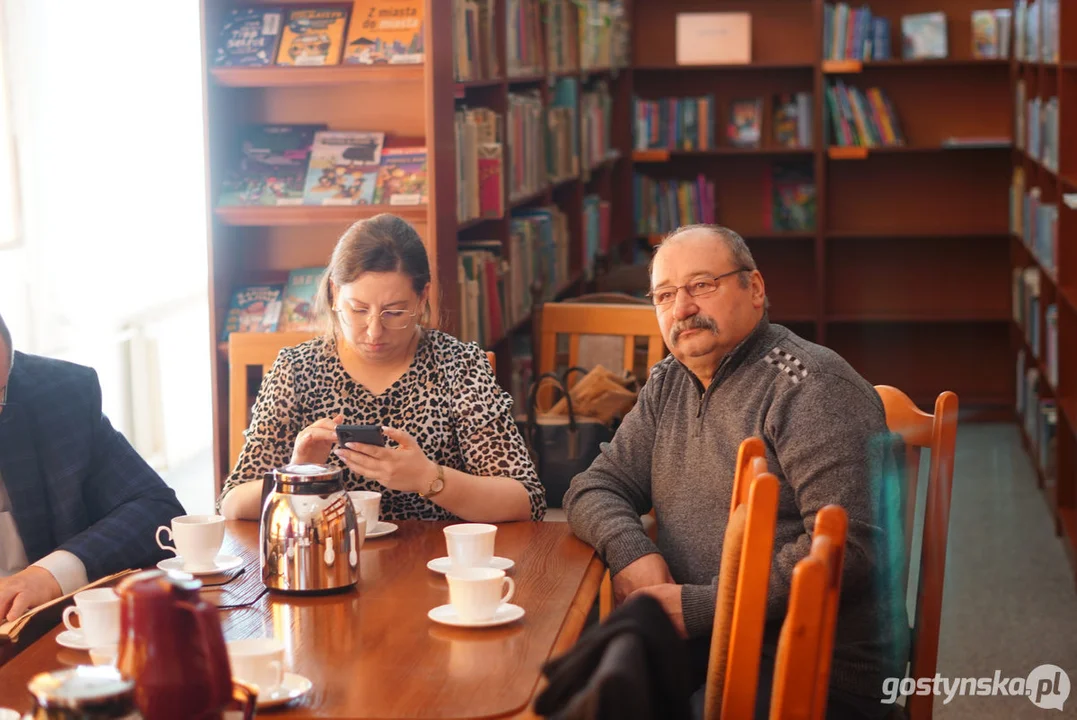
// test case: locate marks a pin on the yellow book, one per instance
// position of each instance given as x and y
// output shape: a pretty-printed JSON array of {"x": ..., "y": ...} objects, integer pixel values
[
  {"x": 385, "y": 31},
  {"x": 313, "y": 36}
]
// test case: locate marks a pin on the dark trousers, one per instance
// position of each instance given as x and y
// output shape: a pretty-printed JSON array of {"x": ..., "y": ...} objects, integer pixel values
[{"x": 840, "y": 705}]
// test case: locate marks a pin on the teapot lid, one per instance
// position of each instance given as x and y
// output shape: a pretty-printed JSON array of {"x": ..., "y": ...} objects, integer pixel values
[{"x": 306, "y": 473}]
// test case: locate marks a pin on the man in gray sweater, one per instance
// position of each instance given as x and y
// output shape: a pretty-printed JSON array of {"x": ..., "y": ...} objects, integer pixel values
[{"x": 732, "y": 374}]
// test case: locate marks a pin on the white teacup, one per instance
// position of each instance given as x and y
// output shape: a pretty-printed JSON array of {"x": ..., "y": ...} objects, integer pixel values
[
  {"x": 470, "y": 544},
  {"x": 368, "y": 504},
  {"x": 198, "y": 539},
  {"x": 258, "y": 661},
  {"x": 98, "y": 613},
  {"x": 476, "y": 593}
]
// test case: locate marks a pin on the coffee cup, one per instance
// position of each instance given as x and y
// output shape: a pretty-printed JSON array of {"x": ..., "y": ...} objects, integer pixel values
[
  {"x": 98, "y": 615},
  {"x": 368, "y": 504},
  {"x": 470, "y": 544},
  {"x": 476, "y": 593},
  {"x": 258, "y": 661},
  {"x": 197, "y": 539}
]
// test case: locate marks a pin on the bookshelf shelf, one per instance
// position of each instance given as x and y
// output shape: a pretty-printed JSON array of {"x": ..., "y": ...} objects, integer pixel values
[
  {"x": 863, "y": 153},
  {"x": 923, "y": 317},
  {"x": 661, "y": 155},
  {"x": 847, "y": 67},
  {"x": 253, "y": 216},
  {"x": 268, "y": 77},
  {"x": 971, "y": 234},
  {"x": 758, "y": 65}
]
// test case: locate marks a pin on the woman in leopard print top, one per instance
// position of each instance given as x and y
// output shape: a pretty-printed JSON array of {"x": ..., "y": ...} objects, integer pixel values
[{"x": 455, "y": 451}]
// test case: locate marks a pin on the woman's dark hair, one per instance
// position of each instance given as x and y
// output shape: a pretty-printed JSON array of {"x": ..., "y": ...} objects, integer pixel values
[{"x": 383, "y": 243}]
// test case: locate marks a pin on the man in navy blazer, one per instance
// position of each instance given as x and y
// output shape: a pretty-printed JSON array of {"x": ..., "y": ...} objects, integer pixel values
[{"x": 77, "y": 502}]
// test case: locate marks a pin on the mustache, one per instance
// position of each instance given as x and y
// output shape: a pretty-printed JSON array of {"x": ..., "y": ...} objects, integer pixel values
[{"x": 695, "y": 322}]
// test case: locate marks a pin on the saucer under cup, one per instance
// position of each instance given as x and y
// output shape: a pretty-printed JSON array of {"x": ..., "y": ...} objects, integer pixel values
[
  {"x": 197, "y": 539},
  {"x": 95, "y": 616},
  {"x": 258, "y": 661},
  {"x": 470, "y": 544},
  {"x": 476, "y": 593}
]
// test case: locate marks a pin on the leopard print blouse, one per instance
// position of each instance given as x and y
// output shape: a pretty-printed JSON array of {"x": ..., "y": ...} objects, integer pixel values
[{"x": 448, "y": 400}]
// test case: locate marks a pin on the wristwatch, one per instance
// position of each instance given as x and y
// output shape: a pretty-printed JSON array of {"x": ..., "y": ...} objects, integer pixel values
[{"x": 436, "y": 485}]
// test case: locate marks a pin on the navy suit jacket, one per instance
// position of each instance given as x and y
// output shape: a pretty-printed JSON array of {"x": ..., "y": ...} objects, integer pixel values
[{"x": 74, "y": 481}]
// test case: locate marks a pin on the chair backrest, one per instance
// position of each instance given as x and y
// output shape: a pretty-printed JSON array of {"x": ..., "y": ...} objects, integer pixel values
[
  {"x": 938, "y": 433},
  {"x": 247, "y": 350},
  {"x": 580, "y": 319},
  {"x": 743, "y": 582},
  {"x": 806, "y": 643}
]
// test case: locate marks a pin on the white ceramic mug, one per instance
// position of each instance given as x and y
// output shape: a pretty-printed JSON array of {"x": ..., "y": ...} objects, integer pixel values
[
  {"x": 258, "y": 661},
  {"x": 470, "y": 544},
  {"x": 368, "y": 504},
  {"x": 198, "y": 539},
  {"x": 476, "y": 593},
  {"x": 98, "y": 613}
]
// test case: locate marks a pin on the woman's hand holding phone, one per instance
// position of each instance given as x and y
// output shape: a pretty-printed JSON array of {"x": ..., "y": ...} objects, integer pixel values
[
  {"x": 405, "y": 467},
  {"x": 316, "y": 441}
]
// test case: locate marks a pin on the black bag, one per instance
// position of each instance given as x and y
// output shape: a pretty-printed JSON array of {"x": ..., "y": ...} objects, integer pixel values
[{"x": 562, "y": 446}]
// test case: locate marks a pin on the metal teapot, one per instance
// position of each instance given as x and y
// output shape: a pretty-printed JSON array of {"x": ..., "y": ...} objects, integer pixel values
[{"x": 310, "y": 535}]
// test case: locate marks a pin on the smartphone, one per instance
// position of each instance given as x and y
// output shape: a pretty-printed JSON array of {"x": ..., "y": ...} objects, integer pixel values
[{"x": 366, "y": 434}]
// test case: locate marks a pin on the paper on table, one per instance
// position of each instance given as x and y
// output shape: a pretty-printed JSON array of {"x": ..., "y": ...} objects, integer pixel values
[{"x": 9, "y": 631}]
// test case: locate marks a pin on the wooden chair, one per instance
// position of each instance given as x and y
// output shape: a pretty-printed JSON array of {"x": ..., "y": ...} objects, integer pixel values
[
  {"x": 806, "y": 643},
  {"x": 246, "y": 350},
  {"x": 938, "y": 433},
  {"x": 743, "y": 581}
]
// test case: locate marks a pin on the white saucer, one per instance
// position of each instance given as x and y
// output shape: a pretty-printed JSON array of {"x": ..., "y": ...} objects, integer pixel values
[
  {"x": 72, "y": 639},
  {"x": 443, "y": 564},
  {"x": 382, "y": 528},
  {"x": 506, "y": 613},
  {"x": 292, "y": 686},
  {"x": 222, "y": 563}
]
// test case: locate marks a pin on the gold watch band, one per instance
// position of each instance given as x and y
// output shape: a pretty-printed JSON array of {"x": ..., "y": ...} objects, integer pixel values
[{"x": 436, "y": 485}]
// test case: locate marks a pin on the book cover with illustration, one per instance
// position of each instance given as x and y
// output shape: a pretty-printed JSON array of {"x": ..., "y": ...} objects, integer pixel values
[
  {"x": 790, "y": 198},
  {"x": 269, "y": 166},
  {"x": 343, "y": 168},
  {"x": 385, "y": 32},
  {"x": 254, "y": 308},
  {"x": 745, "y": 127},
  {"x": 924, "y": 36},
  {"x": 402, "y": 177},
  {"x": 313, "y": 36},
  {"x": 248, "y": 38},
  {"x": 297, "y": 308}
]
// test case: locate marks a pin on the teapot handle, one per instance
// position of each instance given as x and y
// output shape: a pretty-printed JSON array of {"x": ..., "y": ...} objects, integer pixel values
[{"x": 247, "y": 696}]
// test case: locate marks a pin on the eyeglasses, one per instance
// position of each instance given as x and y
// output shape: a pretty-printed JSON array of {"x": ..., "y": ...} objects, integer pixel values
[
  {"x": 390, "y": 319},
  {"x": 699, "y": 287}
]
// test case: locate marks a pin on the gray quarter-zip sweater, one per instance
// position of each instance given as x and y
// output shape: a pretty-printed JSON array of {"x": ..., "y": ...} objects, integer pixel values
[{"x": 676, "y": 452}]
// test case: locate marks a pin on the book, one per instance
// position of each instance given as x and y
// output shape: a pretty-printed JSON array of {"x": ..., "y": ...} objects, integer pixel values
[
  {"x": 924, "y": 36},
  {"x": 248, "y": 37},
  {"x": 297, "y": 307},
  {"x": 254, "y": 308},
  {"x": 313, "y": 36},
  {"x": 343, "y": 168},
  {"x": 745, "y": 128},
  {"x": 714, "y": 38},
  {"x": 385, "y": 32},
  {"x": 985, "y": 34},
  {"x": 269, "y": 166},
  {"x": 792, "y": 198},
  {"x": 402, "y": 177}
]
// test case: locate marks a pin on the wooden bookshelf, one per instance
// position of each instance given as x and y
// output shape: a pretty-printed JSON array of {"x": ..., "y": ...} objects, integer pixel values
[
  {"x": 1048, "y": 77},
  {"x": 412, "y": 104},
  {"x": 907, "y": 272}
]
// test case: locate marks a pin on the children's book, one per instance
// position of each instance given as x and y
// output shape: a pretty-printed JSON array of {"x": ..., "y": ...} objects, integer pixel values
[
  {"x": 270, "y": 165},
  {"x": 385, "y": 31},
  {"x": 402, "y": 177},
  {"x": 792, "y": 199},
  {"x": 343, "y": 168},
  {"x": 248, "y": 37},
  {"x": 924, "y": 36},
  {"x": 297, "y": 309},
  {"x": 254, "y": 308},
  {"x": 745, "y": 127},
  {"x": 313, "y": 36}
]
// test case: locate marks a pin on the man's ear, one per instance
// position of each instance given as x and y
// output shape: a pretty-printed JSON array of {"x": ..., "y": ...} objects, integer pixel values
[{"x": 758, "y": 288}]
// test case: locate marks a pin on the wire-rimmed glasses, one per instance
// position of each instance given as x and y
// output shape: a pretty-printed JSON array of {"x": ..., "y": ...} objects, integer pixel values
[
  {"x": 701, "y": 285},
  {"x": 359, "y": 318}
]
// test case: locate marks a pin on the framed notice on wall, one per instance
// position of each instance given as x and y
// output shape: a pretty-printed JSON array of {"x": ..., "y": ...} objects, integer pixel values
[{"x": 714, "y": 38}]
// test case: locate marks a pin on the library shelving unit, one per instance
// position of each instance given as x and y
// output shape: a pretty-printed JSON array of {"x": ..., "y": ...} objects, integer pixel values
[
  {"x": 1044, "y": 250},
  {"x": 906, "y": 271},
  {"x": 413, "y": 105}
]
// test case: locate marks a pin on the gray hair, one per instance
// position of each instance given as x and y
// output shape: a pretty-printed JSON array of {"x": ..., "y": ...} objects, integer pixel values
[
  {"x": 5, "y": 335},
  {"x": 742, "y": 256}
]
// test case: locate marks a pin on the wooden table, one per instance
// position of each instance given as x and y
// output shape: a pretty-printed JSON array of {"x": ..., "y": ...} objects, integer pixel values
[{"x": 373, "y": 652}]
